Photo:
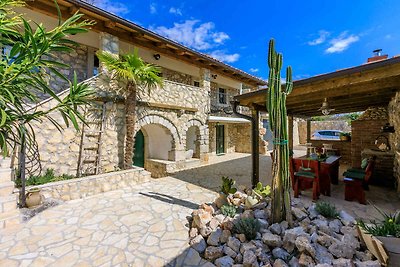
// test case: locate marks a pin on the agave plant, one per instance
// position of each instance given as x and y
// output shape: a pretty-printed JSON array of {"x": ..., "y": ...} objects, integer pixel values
[{"x": 227, "y": 186}]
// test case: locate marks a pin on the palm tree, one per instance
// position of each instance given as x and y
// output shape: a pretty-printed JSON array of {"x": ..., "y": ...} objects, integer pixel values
[{"x": 137, "y": 73}]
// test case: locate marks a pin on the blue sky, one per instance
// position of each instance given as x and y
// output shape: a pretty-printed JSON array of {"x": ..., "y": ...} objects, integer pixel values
[{"x": 316, "y": 36}]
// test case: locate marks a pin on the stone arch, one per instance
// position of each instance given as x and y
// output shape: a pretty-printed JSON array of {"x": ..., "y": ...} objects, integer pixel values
[
  {"x": 156, "y": 119},
  {"x": 195, "y": 137}
]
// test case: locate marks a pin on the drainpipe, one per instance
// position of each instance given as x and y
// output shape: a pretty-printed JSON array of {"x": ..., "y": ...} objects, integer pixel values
[{"x": 254, "y": 137}]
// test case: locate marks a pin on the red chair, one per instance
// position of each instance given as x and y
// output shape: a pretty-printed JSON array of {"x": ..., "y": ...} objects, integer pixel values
[
  {"x": 305, "y": 173},
  {"x": 357, "y": 181}
]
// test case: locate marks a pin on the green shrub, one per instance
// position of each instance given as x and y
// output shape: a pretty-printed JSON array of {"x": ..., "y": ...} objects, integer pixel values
[
  {"x": 228, "y": 210},
  {"x": 327, "y": 210},
  {"x": 247, "y": 226},
  {"x": 227, "y": 186},
  {"x": 388, "y": 226},
  {"x": 47, "y": 177}
]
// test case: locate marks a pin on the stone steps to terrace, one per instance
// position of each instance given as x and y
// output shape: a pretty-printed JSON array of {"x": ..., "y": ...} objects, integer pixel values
[{"x": 9, "y": 213}]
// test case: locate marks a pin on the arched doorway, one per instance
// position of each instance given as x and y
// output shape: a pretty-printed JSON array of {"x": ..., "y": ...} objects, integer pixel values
[{"x": 138, "y": 154}]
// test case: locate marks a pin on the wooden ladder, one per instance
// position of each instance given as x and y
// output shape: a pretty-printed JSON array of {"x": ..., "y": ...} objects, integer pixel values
[{"x": 91, "y": 139}]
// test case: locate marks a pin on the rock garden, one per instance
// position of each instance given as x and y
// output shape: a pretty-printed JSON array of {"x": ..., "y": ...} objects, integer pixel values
[{"x": 235, "y": 230}]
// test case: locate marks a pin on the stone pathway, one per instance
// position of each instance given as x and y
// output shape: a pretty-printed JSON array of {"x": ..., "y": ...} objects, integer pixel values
[
  {"x": 146, "y": 225},
  {"x": 143, "y": 227}
]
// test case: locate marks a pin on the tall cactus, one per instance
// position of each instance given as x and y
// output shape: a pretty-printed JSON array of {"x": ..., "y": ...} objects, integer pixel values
[{"x": 276, "y": 105}]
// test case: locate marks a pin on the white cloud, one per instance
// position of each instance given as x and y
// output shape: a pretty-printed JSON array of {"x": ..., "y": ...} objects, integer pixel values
[
  {"x": 341, "y": 43},
  {"x": 254, "y": 70},
  {"x": 176, "y": 11},
  {"x": 224, "y": 57},
  {"x": 114, "y": 7},
  {"x": 153, "y": 8},
  {"x": 194, "y": 34},
  {"x": 322, "y": 35}
]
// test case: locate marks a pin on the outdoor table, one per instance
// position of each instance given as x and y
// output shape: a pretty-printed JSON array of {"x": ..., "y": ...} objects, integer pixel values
[{"x": 328, "y": 173}]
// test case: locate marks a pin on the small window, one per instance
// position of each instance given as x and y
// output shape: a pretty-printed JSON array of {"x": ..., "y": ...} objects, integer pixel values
[
  {"x": 96, "y": 65},
  {"x": 222, "y": 96},
  {"x": 196, "y": 83}
]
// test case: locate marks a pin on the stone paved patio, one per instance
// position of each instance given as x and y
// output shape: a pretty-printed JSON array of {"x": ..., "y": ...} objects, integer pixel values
[{"x": 143, "y": 226}]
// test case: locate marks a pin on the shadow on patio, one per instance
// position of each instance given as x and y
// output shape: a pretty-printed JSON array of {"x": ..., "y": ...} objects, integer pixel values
[{"x": 238, "y": 167}]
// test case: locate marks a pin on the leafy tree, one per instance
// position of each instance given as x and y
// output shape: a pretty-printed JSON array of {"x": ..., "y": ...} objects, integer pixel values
[
  {"x": 29, "y": 59},
  {"x": 137, "y": 74}
]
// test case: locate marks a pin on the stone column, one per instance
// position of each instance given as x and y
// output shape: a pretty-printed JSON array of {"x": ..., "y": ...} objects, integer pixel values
[
  {"x": 109, "y": 43},
  {"x": 205, "y": 83}
]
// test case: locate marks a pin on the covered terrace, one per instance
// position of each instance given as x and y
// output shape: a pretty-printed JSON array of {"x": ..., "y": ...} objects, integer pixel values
[{"x": 373, "y": 87}]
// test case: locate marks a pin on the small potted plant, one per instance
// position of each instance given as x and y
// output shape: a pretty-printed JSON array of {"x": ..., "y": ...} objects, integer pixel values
[
  {"x": 383, "y": 237},
  {"x": 226, "y": 188},
  {"x": 345, "y": 136}
]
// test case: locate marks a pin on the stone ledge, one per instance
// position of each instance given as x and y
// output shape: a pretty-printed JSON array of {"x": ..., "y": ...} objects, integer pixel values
[{"x": 93, "y": 185}]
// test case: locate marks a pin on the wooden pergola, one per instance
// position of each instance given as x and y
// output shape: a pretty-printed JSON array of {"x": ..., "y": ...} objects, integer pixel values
[{"x": 348, "y": 90}]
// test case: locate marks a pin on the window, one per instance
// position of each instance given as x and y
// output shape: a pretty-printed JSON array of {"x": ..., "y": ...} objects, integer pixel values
[
  {"x": 222, "y": 96},
  {"x": 196, "y": 83},
  {"x": 96, "y": 65}
]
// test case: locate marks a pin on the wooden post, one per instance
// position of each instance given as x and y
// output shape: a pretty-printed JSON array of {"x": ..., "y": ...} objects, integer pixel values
[
  {"x": 255, "y": 135},
  {"x": 290, "y": 125},
  {"x": 308, "y": 130}
]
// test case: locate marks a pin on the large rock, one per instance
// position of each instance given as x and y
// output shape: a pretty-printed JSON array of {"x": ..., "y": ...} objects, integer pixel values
[
  {"x": 205, "y": 231},
  {"x": 225, "y": 261},
  {"x": 212, "y": 253},
  {"x": 225, "y": 236},
  {"x": 322, "y": 225},
  {"x": 303, "y": 245},
  {"x": 198, "y": 243},
  {"x": 275, "y": 228},
  {"x": 280, "y": 263},
  {"x": 346, "y": 218},
  {"x": 342, "y": 250},
  {"x": 367, "y": 263},
  {"x": 335, "y": 225},
  {"x": 312, "y": 212},
  {"x": 234, "y": 244},
  {"x": 299, "y": 214},
  {"x": 260, "y": 214},
  {"x": 322, "y": 255},
  {"x": 228, "y": 251},
  {"x": 249, "y": 259},
  {"x": 214, "y": 223},
  {"x": 351, "y": 240},
  {"x": 201, "y": 218},
  {"x": 294, "y": 262},
  {"x": 306, "y": 261},
  {"x": 364, "y": 256},
  {"x": 280, "y": 253},
  {"x": 214, "y": 237},
  {"x": 272, "y": 240},
  {"x": 247, "y": 246},
  {"x": 290, "y": 236},
  {"x": 342, "y": 263}
]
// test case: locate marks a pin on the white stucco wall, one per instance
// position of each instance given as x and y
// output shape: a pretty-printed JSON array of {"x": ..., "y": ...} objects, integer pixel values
[{"x": 158, "y": 141}]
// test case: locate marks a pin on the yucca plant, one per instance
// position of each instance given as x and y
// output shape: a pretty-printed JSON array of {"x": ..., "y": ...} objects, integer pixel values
[{"x": 276, "y": 105}]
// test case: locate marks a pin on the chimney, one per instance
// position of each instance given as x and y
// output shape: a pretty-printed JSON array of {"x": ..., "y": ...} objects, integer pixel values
[{"x": 377, "y": 56}]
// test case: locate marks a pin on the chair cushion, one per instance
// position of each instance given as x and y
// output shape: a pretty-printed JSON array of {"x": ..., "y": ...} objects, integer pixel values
[
  {"x": 355, "y": 170},
  {"x": 364, "y": 163},
  {"x": 305, "y": 174},
  {"x": 355, "y": 175}
]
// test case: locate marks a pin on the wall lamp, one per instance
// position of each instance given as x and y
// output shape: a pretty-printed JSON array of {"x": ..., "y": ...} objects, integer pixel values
[{"x": 157, "y": 56}]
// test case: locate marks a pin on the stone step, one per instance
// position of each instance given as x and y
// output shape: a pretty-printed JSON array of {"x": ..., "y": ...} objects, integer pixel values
[
  {"x": 6, "y": 189},
  {"x": 5, "y": 175},
  {"x": 5, "y": 162},
  {"x": 192, "y": 163},
  {"x": 10, "y": 218},
  {"x": 8, "y": 203}
]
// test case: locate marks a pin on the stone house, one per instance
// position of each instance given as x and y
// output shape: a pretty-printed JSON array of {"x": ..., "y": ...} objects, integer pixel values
[{"x": 180, "y": 124}]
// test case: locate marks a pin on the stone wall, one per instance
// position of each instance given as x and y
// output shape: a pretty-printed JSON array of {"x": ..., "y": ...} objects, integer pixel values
[
  {"x": 178, "y": 77},
  {"x": 93, "y": 185},
  {"x": 343, "y": 148},
  {"x": 321, "y": 125},
  {"x": 365, "y": 130},
  {"x": 394, "y": 120},
  {"x": 78, "y": 62},
  {"x": 237, "y": 138}
]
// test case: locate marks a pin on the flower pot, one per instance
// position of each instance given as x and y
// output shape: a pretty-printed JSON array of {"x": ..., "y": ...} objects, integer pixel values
[
  {"x": 33, "y": 197},
  {"x": 392, "y": 247},
  {"x": 385, "y": 249}
]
